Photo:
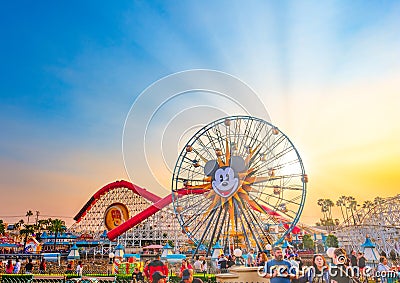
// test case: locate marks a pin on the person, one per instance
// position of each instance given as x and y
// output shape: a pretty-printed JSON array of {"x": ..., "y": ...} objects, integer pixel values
[
  {"x": 146, "y": 269},
  {"x": 185, "y": 265},
  {"x": 187, "y": 277},
  {"x": 319, "y": 272},
  {"x": 158, "y": 277},
  {"x": 42, "y": 266},
  {"x": 361, "y": 263},
  {"x": 137, "y": 276},
  {"x": 204, "y": 266},
  {"x": 197, "y": 265},
  {"x": 262, "y": 259},
  {"x": 9, "y": 267},
  {"x": 383, "y": 270},
  {"x": 156, "y": 265},
  {"x": 17, "y": 266},
  {"x": 223, "y": 263},
  {"x": 79, "y": 268},
  {"x": 340, "y": 273},
  {"x": 250, "y": 261},
  {"x": 353, "y": 258},
  {"x": 231, "y": 261},
  {"x": 293, "y": 262},
  {"x": 279, "y": 270},
  {"x": 299, "y": 262},
  {"x": 29, "y": 267},
  {"x": 70, "y": 267}
]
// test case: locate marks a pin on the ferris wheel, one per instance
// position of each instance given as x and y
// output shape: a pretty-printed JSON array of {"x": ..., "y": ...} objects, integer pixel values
[{"x": 239, "y": 181}]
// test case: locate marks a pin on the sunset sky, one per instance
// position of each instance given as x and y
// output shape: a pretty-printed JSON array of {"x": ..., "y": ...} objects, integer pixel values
[{"x": 327, "y": 72}]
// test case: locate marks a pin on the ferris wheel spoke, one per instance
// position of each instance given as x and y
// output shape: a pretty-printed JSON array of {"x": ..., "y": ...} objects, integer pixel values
[
  {"x": 219, "y": 230},
  {"x": 248, "y": 224},
  {"x": 212, "y": 140},
  {"x": 279, "y": 212},
  {"x": 193, "y": 201},
  {"x": 283, "y": 187},
  {"x": 216, "y": 225},
  {"x": 201, "y": 223},
  {"x": 246, "y": 135},
  {"x": 256, "y": 220},
  {"x": 279, "y": 198},
  {"x": 276, "y": 142},
  {"x": 206, "y": 231},
  {"x": 194, "y": 216},
  {"x": 205, "y": 148},
  {"x": 219, "y": 135},
  {"x": 244, "y": 230}
]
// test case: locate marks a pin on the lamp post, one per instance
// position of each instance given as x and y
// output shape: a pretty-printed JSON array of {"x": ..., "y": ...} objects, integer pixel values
[
  {"x": 119, "y": 251},
  {"x": 238, "y": 254},
  {"x": 73, "y": 253},
  {"x": 217, "y": 251},
  {"x": 370, "y": 252},
  {"x": 268, "y": 248},
  {"x": 167, "y": 250},
  {"x": 111, "y": 256}
]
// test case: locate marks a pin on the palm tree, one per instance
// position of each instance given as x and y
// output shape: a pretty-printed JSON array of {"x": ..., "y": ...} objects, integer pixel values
[
  {"x": 341, "y": 202},
  {"x": 352, "y": 206},
  {"x": 27, "y": 231},
  {"x": 2, "y": 227},
  {"x": 29, "y": 213},
  {"x": 321, "y": 203},
  {"x": 56, "y": 226},
  {"x": 329, "y": 204},
  {"x": 19, "y": 224},
  {"x": 378, "y": 200},
  {"x": 367, "y": 204}
]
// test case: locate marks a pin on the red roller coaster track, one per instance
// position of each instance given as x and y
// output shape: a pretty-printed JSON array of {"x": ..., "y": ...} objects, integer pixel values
[{"x": 158, "y": 204}]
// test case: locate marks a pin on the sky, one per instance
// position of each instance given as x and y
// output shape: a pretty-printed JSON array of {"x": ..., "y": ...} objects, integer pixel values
[{"x": 327, "y": 72}]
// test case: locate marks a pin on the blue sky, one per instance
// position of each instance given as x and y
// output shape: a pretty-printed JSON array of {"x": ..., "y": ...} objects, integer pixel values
[{"x": 70, "y": 71}]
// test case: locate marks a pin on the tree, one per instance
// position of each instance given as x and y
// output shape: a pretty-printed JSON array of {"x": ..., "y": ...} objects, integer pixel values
[
  {"x": 56, "y": 226},
  {"x": 308, "y": 242},
  {"x": 367, "y": 204},
  {"x": 329, "y": 204},
  {"x": 326, "y": 209},
  {"x": 27, "y": 231},
  {"x": 19, "y": 224},
  {"x": 341, "y": 202},
  {"x": 352, "y": 206},
  {"x": 331, "y": 241},
  {"x": 29, "y": 213},
  {"x": 2, "y": 227}
]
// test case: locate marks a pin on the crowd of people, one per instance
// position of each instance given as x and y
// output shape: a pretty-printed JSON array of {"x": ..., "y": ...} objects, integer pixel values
[
  {"x": 344, "y": 269},
  {"x": 16, "y": 268},
  {"x": 157, "y": 272},
  {"x": 284, "y": 266}
]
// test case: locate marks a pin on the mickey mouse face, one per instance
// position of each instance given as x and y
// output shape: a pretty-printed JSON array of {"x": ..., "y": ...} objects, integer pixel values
[
  {"x": 225, "y": 183},
  {"x": 225, "y": 179}
]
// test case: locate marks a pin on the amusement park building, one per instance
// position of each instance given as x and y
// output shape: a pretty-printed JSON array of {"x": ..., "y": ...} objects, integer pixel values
[{"x": 116, "y": 203}]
